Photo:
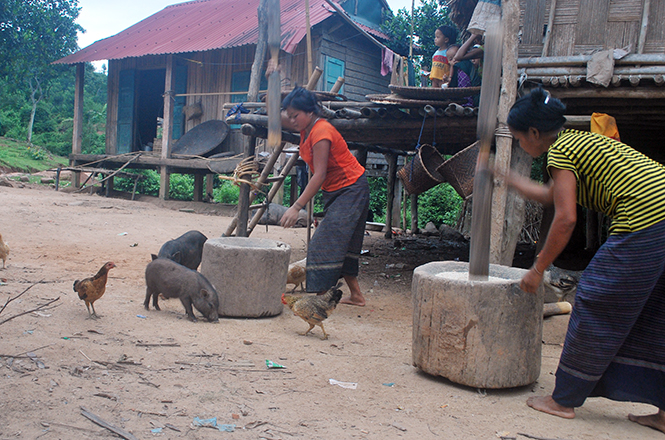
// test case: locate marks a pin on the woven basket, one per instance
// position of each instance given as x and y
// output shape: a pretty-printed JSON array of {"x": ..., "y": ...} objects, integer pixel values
[
  {"x": 421, "y": 173},
  {"x": 460, "y": 169}
]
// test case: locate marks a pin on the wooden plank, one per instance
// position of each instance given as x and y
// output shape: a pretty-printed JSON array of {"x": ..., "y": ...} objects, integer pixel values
[
  {"x": 566, "y": 12},
  {"x": 167, "y": 127},
  {"x": 550, "y": 24},
  {"x": 563, "y": 42},
  {"x": 112, "y": 107},
  {"x": 625, "y": 10},
  {"x": 78, "y": 108},
  {"x": 592, "y": 23},
  {"x": 622, "y": 33},
  {"x": 390, "y": 197},
  {"x": 644, "y": 27},
  {"x": 534, "y": 21},
  {"x": 656, "y": 30}
]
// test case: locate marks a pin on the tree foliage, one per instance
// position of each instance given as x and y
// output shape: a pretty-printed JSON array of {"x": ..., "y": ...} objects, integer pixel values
[
  {"x": 33, "y": 34},
  {"x": 430, "y": 15}
]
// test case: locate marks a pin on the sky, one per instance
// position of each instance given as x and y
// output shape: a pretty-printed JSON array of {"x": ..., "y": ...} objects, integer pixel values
[{"x": 102, "y": 18}]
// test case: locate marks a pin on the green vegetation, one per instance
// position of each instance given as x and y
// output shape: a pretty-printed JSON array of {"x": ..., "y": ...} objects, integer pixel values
[
  {"x": 37, "y": 97},
  {"x": 20, "y": 156}
]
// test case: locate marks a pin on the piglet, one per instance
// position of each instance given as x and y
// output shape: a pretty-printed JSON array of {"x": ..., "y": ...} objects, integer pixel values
[
  {"x": 174, "y": 280},
  {"x": 186, "y": 249}
]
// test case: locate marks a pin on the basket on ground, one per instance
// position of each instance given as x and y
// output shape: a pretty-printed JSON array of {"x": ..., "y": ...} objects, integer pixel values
[
  {"x": 421, "y": 173},
  {"x": 460, "y": 169}
]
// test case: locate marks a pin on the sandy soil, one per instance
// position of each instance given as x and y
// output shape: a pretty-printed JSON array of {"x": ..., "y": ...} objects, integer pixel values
[{"x": 144, "y": 370}]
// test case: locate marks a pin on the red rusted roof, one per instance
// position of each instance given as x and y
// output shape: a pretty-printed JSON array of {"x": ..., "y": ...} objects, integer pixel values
[{"x": 203, "y": 25}]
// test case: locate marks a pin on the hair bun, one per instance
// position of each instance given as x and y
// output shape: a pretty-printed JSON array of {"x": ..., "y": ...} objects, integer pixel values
[{"x": 538, "y": 95}]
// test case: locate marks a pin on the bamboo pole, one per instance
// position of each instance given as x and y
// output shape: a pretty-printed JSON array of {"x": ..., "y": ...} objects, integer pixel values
[
  {"x": 338, "y": 85},
  {"x": 641, "y": 59},
  {"x": 548, "y": 33},
  {"x": 314, "y": 78},
  {"x": 644, "y": 27}
]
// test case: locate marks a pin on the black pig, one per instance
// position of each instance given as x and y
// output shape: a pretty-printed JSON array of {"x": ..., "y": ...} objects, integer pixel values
[
  {"x": 186, "y": 249},
  {"x": 174, "y": 280}
]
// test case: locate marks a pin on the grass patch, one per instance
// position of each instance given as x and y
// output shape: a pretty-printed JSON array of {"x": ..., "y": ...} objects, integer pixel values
[{"x": 18, "y": 156}]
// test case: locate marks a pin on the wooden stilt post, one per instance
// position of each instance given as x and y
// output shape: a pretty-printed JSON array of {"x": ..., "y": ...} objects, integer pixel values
[
  {"x": 244, "y": 198},
  {"x": 414, "y": 213},
  {"x": 390, "y": 197},
  {"x": 505, "y": 229},
  {"x": 77, "y": 136},
  {"x": 167, "y": 133}
]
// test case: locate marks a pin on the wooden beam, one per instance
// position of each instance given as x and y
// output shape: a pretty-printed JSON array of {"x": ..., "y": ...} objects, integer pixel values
[
  {"x": 502, "y": 250},
  {"x": 77, "y": 136},
  {"x": 414, "y": 213},
  {"x": 611, "y": 93},
  {"x": 550, "y": 24},
  {"x": 581, "y": 60},
  {"x": 220, "y": 166},
  {"x": 198, "y": 188},
  {"x": 644, "y": 27},
  {"x": 390, "y": 197},
  {"x": 243, "y": 196},
  {"x": 167, "y": 126}
]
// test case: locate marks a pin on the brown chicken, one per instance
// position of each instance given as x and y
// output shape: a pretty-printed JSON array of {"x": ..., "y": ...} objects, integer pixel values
[
  {"x": 91, "y": 289},
  {"x": 297, "y": 274},
  {"x": 313, "y": 309},
  {"x": 4, "y": 251}
]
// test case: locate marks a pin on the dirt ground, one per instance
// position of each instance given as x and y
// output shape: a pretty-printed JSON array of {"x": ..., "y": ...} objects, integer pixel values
[{"x": 153, "y": 373}]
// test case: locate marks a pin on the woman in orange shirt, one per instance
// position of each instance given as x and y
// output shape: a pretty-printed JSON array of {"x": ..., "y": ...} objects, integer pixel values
[{"x": 335, "y": 247}]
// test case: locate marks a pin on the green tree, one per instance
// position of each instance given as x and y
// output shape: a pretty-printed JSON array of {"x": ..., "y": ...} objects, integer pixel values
[
  {"x": 430, "y": 15},
  {"x": 33, "y": 34}
]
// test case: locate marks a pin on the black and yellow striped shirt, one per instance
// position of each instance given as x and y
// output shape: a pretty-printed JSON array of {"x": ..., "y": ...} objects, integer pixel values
[{"x": 612, "y": 178}]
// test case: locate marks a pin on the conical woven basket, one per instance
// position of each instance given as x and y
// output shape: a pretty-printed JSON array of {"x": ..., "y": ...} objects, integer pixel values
[
  {"x": 421, "y": 173},
  {"x": 460, "y": 169}
]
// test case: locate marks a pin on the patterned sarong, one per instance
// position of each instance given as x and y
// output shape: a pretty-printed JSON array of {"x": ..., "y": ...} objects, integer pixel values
[
  {"x": 335, "y": 246},
  {"x": 615, "y": 345}
]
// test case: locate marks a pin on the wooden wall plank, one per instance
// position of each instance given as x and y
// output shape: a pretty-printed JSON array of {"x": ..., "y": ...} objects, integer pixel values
[
  {"x": 622, "y": 33},
  {"x": 625, "y": 10},
  {"x": 591, "y": 24},
  {"x": 566, "y": 12},
  {"x": 656, "y": 30},
  {"x": 563, "y": 41},
  {"x": 112, "y": 107},
  {"x": 534, "y": 21}
]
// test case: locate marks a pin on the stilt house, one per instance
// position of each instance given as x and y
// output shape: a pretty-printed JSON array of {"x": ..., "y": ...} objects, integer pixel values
[
  {"x": 597, "y": 56},
  {"x": 185, "y": 62}
]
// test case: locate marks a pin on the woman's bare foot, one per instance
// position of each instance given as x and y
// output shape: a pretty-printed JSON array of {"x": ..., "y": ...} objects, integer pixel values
[
  {"x": 354, "y": 300},
  {"x": 547, "y": 405},
  {"x": 655, "y": 421}
]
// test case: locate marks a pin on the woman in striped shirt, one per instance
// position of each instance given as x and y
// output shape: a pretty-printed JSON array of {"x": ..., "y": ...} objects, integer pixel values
[{"x": 615, "y": 344}]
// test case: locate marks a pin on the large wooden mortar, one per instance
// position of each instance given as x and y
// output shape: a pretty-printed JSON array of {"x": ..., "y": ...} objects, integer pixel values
[
  {"x": 249, "y": 274},
  {"x": 484, "y": 334}
]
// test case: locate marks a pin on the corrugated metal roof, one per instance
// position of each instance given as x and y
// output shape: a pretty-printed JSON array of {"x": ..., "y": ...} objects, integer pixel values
[{"x": 203, "y": 25}]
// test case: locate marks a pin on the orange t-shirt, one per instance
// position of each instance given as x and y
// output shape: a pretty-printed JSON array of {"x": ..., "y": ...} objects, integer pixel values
[{"x": 343, "y": 168}]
